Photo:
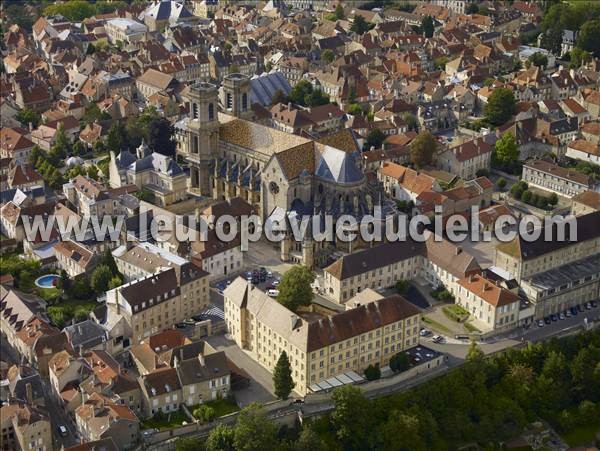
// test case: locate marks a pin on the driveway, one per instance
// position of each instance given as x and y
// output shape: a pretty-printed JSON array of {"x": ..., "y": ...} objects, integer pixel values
[{"x": 261, "y": 383}]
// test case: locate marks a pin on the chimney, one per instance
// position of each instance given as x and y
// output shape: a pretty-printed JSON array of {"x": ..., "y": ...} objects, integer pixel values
[
  {"x": 29, "y": 393},
  {"x": 458, "y": 250},
  {"x": 486, "y": 286},
  {"x": 472, "y": 278}
]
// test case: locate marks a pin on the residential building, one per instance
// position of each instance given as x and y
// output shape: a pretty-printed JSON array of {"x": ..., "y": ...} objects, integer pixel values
[
  {"x": 319, "y": 348},
  {"x": 491, "y": 306},
  {"x": 25, "y": 427},
  {"x": 15, "y": 144},
  {"x": 437, "y": 262},
  {"x": 467, "y": 159},
  {"x": 74, "y": 258},
  {"x": 551, "y": 177},
  {"x": 125, "y": 31},
  {"x": 586, "y": 202}
]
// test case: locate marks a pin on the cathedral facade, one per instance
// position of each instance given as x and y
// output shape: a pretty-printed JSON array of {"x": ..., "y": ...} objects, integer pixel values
[{"x": 278, "y": 173}]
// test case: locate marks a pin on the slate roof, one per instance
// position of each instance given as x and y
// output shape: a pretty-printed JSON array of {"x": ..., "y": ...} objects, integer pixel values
[
  {"x": 338, "y": 166},
  {"x": 263, "y": 87},
  {"x": 157, "y": 162}
]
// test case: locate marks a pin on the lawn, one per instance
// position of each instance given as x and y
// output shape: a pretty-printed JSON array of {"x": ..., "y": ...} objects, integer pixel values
[
  {"x": 455, "y": 313},
  {"x": 223, "y": 406},
  {"x": 583, "y": 435},
  {"x": 165, "y": 420}
]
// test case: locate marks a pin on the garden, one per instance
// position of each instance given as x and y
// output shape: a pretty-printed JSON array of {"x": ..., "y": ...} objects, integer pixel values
[
  {"x": 216, "y": 408},
  {"x": 162, "y": 421},
  {"x": 66, "y": 298},
  {"x": 520, "y": 191},
  {"x": 456, "y": 313}
]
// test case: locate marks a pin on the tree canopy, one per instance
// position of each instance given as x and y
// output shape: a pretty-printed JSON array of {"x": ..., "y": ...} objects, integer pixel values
[
  {"x": 360, "y": 25},
  {"x": 295, "y": 287},
  {"x": 305, "y": 94},
  {"x": 500, "y": 107},
  {"x": 506, "y": 150},
  {"x": 423, "y": 149},
  {"x": 282, "y": 377},
  {"x": 427, "y": 26}
]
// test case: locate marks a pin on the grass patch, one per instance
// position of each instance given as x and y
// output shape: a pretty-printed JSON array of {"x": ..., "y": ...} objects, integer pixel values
[
  {"x": 223, "y": 406},
  {"x": 162, "y": 421},
  {"x": 455, "y": 313},
  {"x": 582, "y": 435},
  {"x": 436, "y": 326},
  {"x": 471, "y": 328}
]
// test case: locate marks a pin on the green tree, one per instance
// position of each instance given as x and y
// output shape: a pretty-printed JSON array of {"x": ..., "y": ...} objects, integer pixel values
[
  {"x": 116, "y": 138},
  {"x": 589, "y": 37},
  {"x": 253, "y": 431},
  {"x": 500, "y": 107},
  {"x": 101, "y": 277},
  {"x": 295, "y": 287},
  {"x": 552, "y": 40},
  {"x": 221, "y": 438},
  {"x": 440, "y": 62},
  {"x": 204, "y": 413},
  {"x": 360, "y": 25},
  {"x": 423, "y": 149},
  {"x": 579, "y": 58},
  {"x": 188, "y": 444},
  {"x": 474, "y": 354},
  {"x": 115, "y": 282},
  {"x": 160, "y": 134},
  {"x": 538, "y": 59},
  {"x": 339, "y": 12},
  {"x": 351, "y": 428},
  {"x": 62, "y": 144},
  {"x": 372, "y": 373},
  {"x": 282, "y": 377},
  {"x": 93, "y": 113},
  {"x": 27, "y": 116},
  {"x": 501, "y": 183},
  {"x": 399, "y": 362},
  {"x": 402, "y": 432},
  {"x": 327, "y": 55},
  {"x": 402, "y": 286},
  {"x": 309, "y": 440},
  {"x": 411, "y": 121},
  {"x": 74, "y": 10},
  {"x": 375, "y": 139},
  {"x": 81, "y": 289},
  {"x": 506, "y": 150},
  {"x": 355, "y": 110},
  {"x": 109, "y": 260},
  {"x": 427, "y": 26}
]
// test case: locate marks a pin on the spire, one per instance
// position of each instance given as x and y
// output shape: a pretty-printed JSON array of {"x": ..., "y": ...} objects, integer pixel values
[{"x": 143, "y": 150}]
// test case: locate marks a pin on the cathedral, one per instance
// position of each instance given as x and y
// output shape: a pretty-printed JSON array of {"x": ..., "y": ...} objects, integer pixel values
[{"x": 276, "y": 172}]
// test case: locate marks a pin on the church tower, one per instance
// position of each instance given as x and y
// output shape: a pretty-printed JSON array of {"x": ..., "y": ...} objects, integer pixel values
[
  {"x": 235, "y": 95},
  {"x": 202, "y": 135}
]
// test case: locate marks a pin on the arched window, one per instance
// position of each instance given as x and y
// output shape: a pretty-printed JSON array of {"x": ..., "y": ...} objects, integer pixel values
[
  {"x": 211, "y": 111},
  {"x": 244, "y": 101}
]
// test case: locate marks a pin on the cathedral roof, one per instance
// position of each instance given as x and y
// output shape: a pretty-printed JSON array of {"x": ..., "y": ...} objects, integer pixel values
[{"x": 338, "y": 166}]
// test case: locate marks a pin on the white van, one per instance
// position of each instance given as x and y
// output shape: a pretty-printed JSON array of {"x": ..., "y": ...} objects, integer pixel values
[{"x": 273, "y": 293}]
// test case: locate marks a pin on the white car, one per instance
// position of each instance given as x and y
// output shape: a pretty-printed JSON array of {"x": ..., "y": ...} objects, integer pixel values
[{"x": 273, "y": 293}]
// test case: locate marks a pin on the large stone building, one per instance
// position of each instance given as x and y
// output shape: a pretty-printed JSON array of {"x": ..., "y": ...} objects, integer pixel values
[
  {"x": 437, "y": 262},
  {"x": 556, "y": 274},
  {"x": 274, "y": 171},
  {"x": 319, "y": 348}
]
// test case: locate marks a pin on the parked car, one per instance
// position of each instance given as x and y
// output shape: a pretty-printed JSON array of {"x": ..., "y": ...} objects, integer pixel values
[
  {"x": 561, "y": 316},
  {"x": 547, "y": 320},
  {"x": 273, "y": 293},
  {"x": 573, "y": 311},
  {"x": 540, "y": 323},
  {"x": 425, "y": 333},
  {"x": 276, "y": 282},
  {"x": 568, "y": 313},
  {"x": 437, "y": 339},
  {"x": 63, "y": 430},
  {"x": 588, "y": 306},
  {"x": 594, "y": 304},
  {"x": 553, "y": 317}
]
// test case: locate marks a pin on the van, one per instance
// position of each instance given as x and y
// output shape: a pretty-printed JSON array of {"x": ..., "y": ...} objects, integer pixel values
[{"x": 273, "y": 293}]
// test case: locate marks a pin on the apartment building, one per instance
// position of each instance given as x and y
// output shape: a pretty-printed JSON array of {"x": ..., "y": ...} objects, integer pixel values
[
  {"x": 565, "y": 286},
  {"x": 437, "y": 262},
  {"x": 154, "y": 303},
  {"x": 125, "y": 30},
  {"x": 551, "y": 177},
  {"x": 466, "y": 159},
  {"x": 586, "y": 202},
  {"x": 25, "y": 427},
  {"x": 523, "y": 258},
  {"x": 75, "y": 258},
  {"x": 492, "y": 306},
  {"x": 91, "y": 198},
  {"x": 99, "y": 418},
  {"x": 349, "y": 341}
]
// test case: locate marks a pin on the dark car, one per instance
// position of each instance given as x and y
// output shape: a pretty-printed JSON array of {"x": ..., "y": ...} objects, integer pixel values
[
  {"x": 554, "y": 317},
  {"x": 547, "y": 320},
  {"x": 594, "y": 304},
  {"x": 574, "y": 311}
]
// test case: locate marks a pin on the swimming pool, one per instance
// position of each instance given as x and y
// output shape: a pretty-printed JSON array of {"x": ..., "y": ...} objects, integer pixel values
[{"x": 47, "y": 281}]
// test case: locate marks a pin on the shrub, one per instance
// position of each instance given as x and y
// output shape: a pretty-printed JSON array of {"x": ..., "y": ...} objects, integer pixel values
[
  {"x": 402, "y": 286},
  {"x": 372, "y": 373},
  {"x": 501, "y": 183},
  {"x": 204, "y": 413},
  {"x": 399, "y": 362}
]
